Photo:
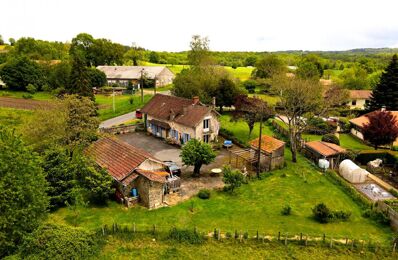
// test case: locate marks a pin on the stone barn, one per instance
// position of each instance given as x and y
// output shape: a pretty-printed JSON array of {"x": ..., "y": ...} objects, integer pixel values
[
  {"x": 272, "y": 152},
  {"x": 139, "y": 177}
]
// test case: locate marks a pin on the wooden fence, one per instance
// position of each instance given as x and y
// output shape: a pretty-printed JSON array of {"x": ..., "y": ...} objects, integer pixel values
[
  {"x": 392, "y": 214},
  {"x": 303, "y": 239}
]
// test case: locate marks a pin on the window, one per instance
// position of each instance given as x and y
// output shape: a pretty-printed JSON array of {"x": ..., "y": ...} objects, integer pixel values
[
  {"x": 185, "y": 138},
  {"x": 206, "y": 124},
  {"x": 354, "y": 102},
  {"x": 206, "y": 138},
  {"x": 174, "y": 134}
]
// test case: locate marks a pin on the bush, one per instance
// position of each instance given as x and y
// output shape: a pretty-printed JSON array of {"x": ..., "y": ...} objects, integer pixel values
[
  {"x": 321, "y": 213},
  {"x": 345, "y": 125},
  {"x": 59, "y": 242},
  {"x": 331, "y": 138},
  {"x": 45, "y": 88},
  {"x": 317, "y": 125},
  {"x": 233, "y": 178},
  {"x": 185, "y": 236},
  {"x": 131, "y": 100},
  {"x": 204, "y": 194},
  {"x": 27, "y": 96},
  {"x": 341, "y": 215},
  {"x": 286, "y": 210},
  {"x": 380, "y": 217},
  {"x": 31, "y": 89}
]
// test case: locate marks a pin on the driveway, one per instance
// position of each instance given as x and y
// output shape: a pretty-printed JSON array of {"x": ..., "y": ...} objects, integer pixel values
[
  {"x": 117, "y": 120},
  {"x": 165, "y": 152}
]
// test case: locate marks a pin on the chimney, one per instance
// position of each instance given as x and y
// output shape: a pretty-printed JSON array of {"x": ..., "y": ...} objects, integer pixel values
[
  {"x": 195, "y": 100},
  {"x": 172, "y": 114},
  {"x": 213, "y": 102},
  {"x": 383, "y": 108}
]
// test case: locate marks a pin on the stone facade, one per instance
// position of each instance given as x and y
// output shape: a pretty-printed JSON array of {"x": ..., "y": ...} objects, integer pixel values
[
  {"x": 151, "y": 194},
  {"x": 198, "y": 132}
]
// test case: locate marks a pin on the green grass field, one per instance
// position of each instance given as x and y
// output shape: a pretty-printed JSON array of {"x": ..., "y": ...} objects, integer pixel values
[
  {"x": 13, "y": 118},
  {"x": 242, "y": 73},
  {"x": 18, "y": 94},
  {"x": 122, "y": 105}
]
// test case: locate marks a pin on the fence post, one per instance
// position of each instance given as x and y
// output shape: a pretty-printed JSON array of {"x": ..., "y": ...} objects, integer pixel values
[
  {"x": 194, "y": 230},
  {"x": 279, "y": 236},
  {"x": 352, "y": 244},
  {"x": 236, "y": 234},
  {"x": 393, "y": 248},
  {"x": 331, "y": 242},
  {"x": 286, "y": 239},
  {"x": 257, "y": 235},
  {"x": 363, "y": 245},
  {"x": 306, "y": 240},
  {"x": 346, "y": 241},
  {"x": 154, "y": 229},
  {"x": 324, "y": 237},
  {"x": 301, "y": 237},
  {"x": 218, "y": 235},
  {"x": 103, "y": 231},
  {"x": 134, "y": 227}
]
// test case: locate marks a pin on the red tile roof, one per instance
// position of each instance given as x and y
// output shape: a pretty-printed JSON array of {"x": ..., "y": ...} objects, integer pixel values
[
  {"x": 117, "y": 157},
  {"x": 360, "y": 94},
  {"x": 152, "y": 176},
  {"x": 268, "y": 143},
  {"x": 362, "y": 120},
  {"x": 165, "y": 107},
  {"x": 325, "y": 148}
]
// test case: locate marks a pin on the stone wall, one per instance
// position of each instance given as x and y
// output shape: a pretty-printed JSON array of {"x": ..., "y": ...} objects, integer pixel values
[
  {"x": 119, "y": 129},
  {"x": 150, "y": 193}
]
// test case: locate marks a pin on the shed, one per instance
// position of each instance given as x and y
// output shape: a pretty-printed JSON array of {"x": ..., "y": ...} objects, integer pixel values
[
  {"x": 272, "y": 150},
  {"x": 316, "y": 150},
  {"x": 352, "y": 172}
]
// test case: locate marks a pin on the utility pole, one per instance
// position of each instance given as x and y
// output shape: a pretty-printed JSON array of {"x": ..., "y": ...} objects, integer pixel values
[
  {"x": 259, "y": 143},
  {"x": 142, "y": 86},
  {"x": 113, "y": 100}
]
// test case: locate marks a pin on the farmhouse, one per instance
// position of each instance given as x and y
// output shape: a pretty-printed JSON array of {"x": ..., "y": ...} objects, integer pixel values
[
  {"x": 272, "y": 152},
  {"x": 180, "y": 119},
  {"x": 359, "y": 98},
  {"x": 138, "y": 176},
  {"x": 358, "y": 123},
  {"x": 316, "y": 150},
  {"x": 123, "y": 75}
]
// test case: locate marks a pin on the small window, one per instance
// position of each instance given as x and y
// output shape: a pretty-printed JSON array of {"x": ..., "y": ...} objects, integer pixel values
[
  {"x": 206, "y": 123},
  {"x": 354, "y": 103},
  {"x": 185, "y": 138},
  {"x": 206, "y": 138}
]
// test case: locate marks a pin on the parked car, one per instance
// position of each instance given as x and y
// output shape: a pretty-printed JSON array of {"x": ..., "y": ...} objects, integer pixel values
[
  {"x": 138, "y": 114},
  {"x": 173, "y": 168}
]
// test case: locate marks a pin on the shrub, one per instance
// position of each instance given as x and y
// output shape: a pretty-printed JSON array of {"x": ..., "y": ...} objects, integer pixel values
[
  {"x": 246, "y": 235},
  {"x": 204, "y": 194},
  {"x": 185, "y": 236},
  {"x": 45, "y": 88},
  {"x": 317, "y": 125},
  {"x": 233, "y": 178},
  {"x": 250, "y": 85},
  {"x": 345, "y": 125},
  {"x": 27, "y": 96},
  {"x": 321, "y": 213},
  {"x": 341, "y": 215},
  {"x": 228, "y": 235},
  {"x": 286, "y": 210},
  {"x": 380, "y": 217},
  {"x": 31, "y": 89},
  {"x": 131, "y": 100},
  {"x": 59, "y": 242},
  {"x": 331, "y": 138}
]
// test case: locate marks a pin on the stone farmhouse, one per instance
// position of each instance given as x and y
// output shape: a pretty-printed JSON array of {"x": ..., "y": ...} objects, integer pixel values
[
  {"x": 358, "y": 123},
  {"x": 122, "y": 75},
  {"x": 179, "y": 119},
  {"x": 359, "y": 98},
  {"x": 138, "y": 176}
]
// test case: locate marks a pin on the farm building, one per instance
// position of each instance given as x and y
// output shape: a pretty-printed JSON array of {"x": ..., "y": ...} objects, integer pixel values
[
  {"x": 138, "y": 176},
  {"x": 359, "y": 98},
  {"x": 123, "y": 75},
  {"x": 316, "y": 150},
  {"x": 272, "y": 152},
  {"x": 358, "y": 123},
  {"x": 180, "y": 119}
]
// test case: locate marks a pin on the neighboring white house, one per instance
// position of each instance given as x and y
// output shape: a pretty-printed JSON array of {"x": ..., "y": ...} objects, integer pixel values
[
  {"x": 359, "y": 98},
  {"x": 358, "y": 123},
  {"x": 122, "y": 75},
  {"x": 180, "y": 119}
]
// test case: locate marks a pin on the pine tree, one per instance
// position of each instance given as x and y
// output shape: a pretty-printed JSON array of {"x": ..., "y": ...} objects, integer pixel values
[{"x": 386, "y": 92}]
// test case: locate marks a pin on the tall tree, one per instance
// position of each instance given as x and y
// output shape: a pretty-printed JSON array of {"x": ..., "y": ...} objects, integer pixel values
[
  {"x": 23, "y": 199},
  {"x": 269, "y": 66},
  {"x": 197, "y": 153},
  {"x": 80, "y": 82},
  {"x": 1, "y": 40},
  {"x": 386, "y": 92},
  {"x": 199, "y": 55},
  {"x": 382, "y": 128},
  {"x": 298, "y": 97},
  {"x": 226, "y": 93},
  {"x": 135, "y": 54},
  {"x": 308, "y": 70},
  {"x": 251, "y": 110}
]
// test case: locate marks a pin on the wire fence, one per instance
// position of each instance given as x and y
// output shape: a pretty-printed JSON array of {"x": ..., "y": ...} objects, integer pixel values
[{"x": 239, "y": 235}]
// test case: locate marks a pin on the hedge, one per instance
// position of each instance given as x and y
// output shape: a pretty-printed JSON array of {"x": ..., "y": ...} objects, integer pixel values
[
  {"x": 349, "y": 189},
  {"x": 388, "y": 158}
]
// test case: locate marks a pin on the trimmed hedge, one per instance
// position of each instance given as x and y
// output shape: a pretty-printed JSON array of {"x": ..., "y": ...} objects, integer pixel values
[
  {"x": 388, "y": 158},
  {"x": 331, "y": 138},
  {"x": 347, "y": 188}
]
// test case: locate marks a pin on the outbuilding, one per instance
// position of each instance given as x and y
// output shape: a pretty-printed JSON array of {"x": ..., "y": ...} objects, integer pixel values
[
  {"x": 316, "y": 150},
  {"x": 352, "y": 172},
  {"x": 272, "y": 152}
]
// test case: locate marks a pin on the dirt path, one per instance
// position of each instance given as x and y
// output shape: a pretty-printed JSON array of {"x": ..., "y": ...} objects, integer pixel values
[{"x": 21, "y": 103}]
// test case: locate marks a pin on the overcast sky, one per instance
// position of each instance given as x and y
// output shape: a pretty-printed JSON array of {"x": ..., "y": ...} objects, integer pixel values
[{"x": 241, "y": 25}]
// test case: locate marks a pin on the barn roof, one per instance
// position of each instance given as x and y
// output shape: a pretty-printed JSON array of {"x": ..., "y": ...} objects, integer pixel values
[
  {"x": 363, "y": 120},
  {"x": 360, "y": 94},
  {"x": 131, "y": 72},
  {"x": 118, "y": 158},
  {"x": 180, "y": 110},
  {"x": 268, "y": 144},
  {"x": 324, "y": 148}
]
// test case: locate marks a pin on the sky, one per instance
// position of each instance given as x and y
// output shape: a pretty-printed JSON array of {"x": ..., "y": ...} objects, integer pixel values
[{"x": 244, "y": 25}]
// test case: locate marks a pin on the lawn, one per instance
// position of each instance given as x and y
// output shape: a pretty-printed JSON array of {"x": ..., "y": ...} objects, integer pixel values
[
  {"x": 271, "y": 100},
  {"x": 13, "y": 118},
  {"x": 122, "y": 105},
  {"x": 256, "y": 205},
  {"x": 40, "y": 95},
  {"x": 349, "y": 142},
  {"x": 242, "y": 73}
]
